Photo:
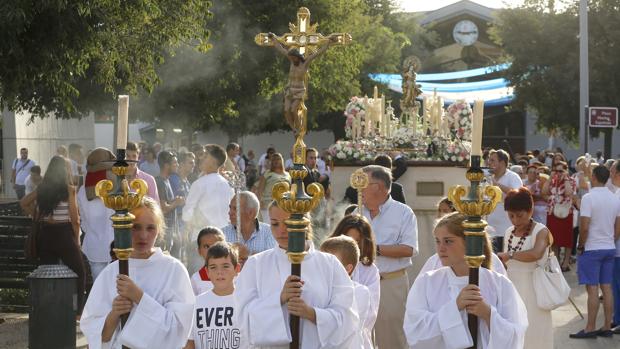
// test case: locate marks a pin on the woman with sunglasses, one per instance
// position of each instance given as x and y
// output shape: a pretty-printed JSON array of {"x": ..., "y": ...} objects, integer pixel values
[{"x": 559, "y": 189}]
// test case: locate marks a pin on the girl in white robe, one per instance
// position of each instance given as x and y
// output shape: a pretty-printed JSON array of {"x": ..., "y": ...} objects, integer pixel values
[
  {"x": 365, "y": 272},
  {"x": 440, "y": 300},
  {"x": 266, "y": 294},
  {"x": 157, "y": 293}
]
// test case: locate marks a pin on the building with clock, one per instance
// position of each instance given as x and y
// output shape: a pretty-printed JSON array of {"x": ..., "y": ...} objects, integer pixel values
[
  {"x": 465, "y": 45},
  {"x": 463, "y": 32}
]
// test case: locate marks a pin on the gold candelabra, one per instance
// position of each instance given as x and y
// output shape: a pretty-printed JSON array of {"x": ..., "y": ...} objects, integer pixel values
[
  {"x": 118, "y": 196},
  {"x": 472, "y": 203}
]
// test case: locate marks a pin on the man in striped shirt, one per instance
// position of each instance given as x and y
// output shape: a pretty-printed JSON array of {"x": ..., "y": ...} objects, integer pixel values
[{"x": 254, "y": 235}]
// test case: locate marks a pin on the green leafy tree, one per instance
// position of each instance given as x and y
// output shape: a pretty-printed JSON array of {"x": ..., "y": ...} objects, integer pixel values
[
  {"x": 67, "y": 57},
  {"x": 238, "y": 85},
  {"x": 542, "y": 43}
]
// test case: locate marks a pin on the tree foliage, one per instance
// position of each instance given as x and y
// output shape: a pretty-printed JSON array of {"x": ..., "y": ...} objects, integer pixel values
[
  {"x": 238, "y": 85},
  {"x": 542, "y": 44},
  {"x": 66, "y": 57}
]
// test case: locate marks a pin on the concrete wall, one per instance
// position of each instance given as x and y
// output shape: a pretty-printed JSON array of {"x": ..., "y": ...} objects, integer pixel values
[
  {"x": 41, "y": 137},
  {"x": 104, "y": 134}
]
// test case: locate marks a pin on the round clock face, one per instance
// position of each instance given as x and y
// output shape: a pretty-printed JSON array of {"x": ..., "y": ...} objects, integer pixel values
[{"x": 465, "y": 32}]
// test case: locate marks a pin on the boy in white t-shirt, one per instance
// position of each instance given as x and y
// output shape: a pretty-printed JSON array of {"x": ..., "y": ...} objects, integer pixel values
[
  {"x": 348, "y": 253},
  {"x": 213, "y": 322},
  {"x": 207, "y": 237}
]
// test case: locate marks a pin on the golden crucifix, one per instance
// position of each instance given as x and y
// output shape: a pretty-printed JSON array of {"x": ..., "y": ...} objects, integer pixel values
[{"x": 301, "y": 47}]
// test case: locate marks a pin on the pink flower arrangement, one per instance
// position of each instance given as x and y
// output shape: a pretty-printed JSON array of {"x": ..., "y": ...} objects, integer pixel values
[{"x": 459, "y": 115}]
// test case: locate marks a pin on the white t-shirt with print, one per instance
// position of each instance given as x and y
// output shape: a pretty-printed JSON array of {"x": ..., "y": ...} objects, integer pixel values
[{"x": 213, "y": 324}]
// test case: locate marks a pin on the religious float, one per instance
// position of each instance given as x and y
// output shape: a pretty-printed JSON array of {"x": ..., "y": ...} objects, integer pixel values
[{"x": 435, "y": 139}]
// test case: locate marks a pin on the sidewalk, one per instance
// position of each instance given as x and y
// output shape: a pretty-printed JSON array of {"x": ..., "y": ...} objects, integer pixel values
[
  {"x": 14, "y": 332},
  {"x": 566, "y": 320}
]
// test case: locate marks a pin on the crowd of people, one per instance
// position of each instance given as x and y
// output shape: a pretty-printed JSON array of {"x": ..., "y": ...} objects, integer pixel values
[{"x": 209, "y": 267}]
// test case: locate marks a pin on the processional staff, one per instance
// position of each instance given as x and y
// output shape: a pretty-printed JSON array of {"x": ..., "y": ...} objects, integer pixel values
[
  {"x": 301, "y": 46},
  {"x": 236, "y": 180},
  {"x": 359, "y": 180},
  {"x": 118, "y": 195},
  {"x": 474, "y": 206}
]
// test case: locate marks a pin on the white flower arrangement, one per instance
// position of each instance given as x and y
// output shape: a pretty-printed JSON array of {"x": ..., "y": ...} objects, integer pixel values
[
  {"x": 356, "y": 109},
  {"x": 453, "y": 147}
]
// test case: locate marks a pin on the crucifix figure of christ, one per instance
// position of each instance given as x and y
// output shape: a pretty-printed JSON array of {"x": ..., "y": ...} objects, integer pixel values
[{"x": 301, "y": 47}]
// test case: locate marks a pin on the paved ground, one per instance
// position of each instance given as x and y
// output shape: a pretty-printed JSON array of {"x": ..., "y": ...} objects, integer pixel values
[
  {"x": 566, "y": 320},
  {"x": 14, "y": 327}
]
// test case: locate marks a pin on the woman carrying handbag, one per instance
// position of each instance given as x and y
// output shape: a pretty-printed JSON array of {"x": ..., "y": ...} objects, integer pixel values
[
  {"x": 526, "y": 246},
  {"x": 560, "y": 189}
]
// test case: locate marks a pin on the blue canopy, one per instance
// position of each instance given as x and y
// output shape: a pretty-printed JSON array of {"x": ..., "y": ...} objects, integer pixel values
[{"x": 493, "y": 91}]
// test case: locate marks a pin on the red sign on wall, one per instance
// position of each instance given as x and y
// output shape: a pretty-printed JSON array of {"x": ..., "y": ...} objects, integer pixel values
[{"x": 603, "y": 116}]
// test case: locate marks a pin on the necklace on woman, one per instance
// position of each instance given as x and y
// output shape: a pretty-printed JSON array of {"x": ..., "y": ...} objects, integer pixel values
[{"x": 521, "y": 241}]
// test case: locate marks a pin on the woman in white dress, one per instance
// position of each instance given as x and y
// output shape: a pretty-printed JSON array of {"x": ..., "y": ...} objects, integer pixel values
[
  {"x": 266, "y": 294},
  {"x": 526, "y": 244},
  {"x": 440, "y": 300},
  {"x": 157, "y": 293}
]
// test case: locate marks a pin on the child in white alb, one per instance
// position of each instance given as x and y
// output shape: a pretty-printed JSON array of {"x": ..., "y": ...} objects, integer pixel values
[
  {"x": 206, "y": 238},
  {"x": 348, "y": 253}
]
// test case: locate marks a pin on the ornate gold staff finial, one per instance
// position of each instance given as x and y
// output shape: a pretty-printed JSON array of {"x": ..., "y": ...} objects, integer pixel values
[
  {"x": 118, "y": 196},
  {"x": 472, "y": 203},
  {"x": 359, "y": 180},
  {"x": 122, "y": 200}
]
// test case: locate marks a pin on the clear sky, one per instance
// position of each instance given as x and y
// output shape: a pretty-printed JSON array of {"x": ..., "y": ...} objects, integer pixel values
[{"x": 428, "y": 5}]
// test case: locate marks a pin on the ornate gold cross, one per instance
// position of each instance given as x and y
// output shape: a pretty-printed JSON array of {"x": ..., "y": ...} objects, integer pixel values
[{"x": 303, "y": 35}]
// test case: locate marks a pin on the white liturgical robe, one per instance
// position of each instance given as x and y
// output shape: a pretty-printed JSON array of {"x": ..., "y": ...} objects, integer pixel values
[
  {"x": 368, "y": 275},
  {"x": 327, "y": 288},
  {"x": 363, "y": 305},
  {"x": 162, "y": 319},
  {"x": 432, "y": 319}
]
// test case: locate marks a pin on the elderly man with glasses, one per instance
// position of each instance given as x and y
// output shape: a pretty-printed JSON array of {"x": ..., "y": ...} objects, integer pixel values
[{"x": 396, "y": 232}]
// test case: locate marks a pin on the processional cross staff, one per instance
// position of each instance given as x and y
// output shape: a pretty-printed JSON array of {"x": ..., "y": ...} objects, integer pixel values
[
  {"x": 120, "y": 197},
  {"x": 301, "y": 46}
]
